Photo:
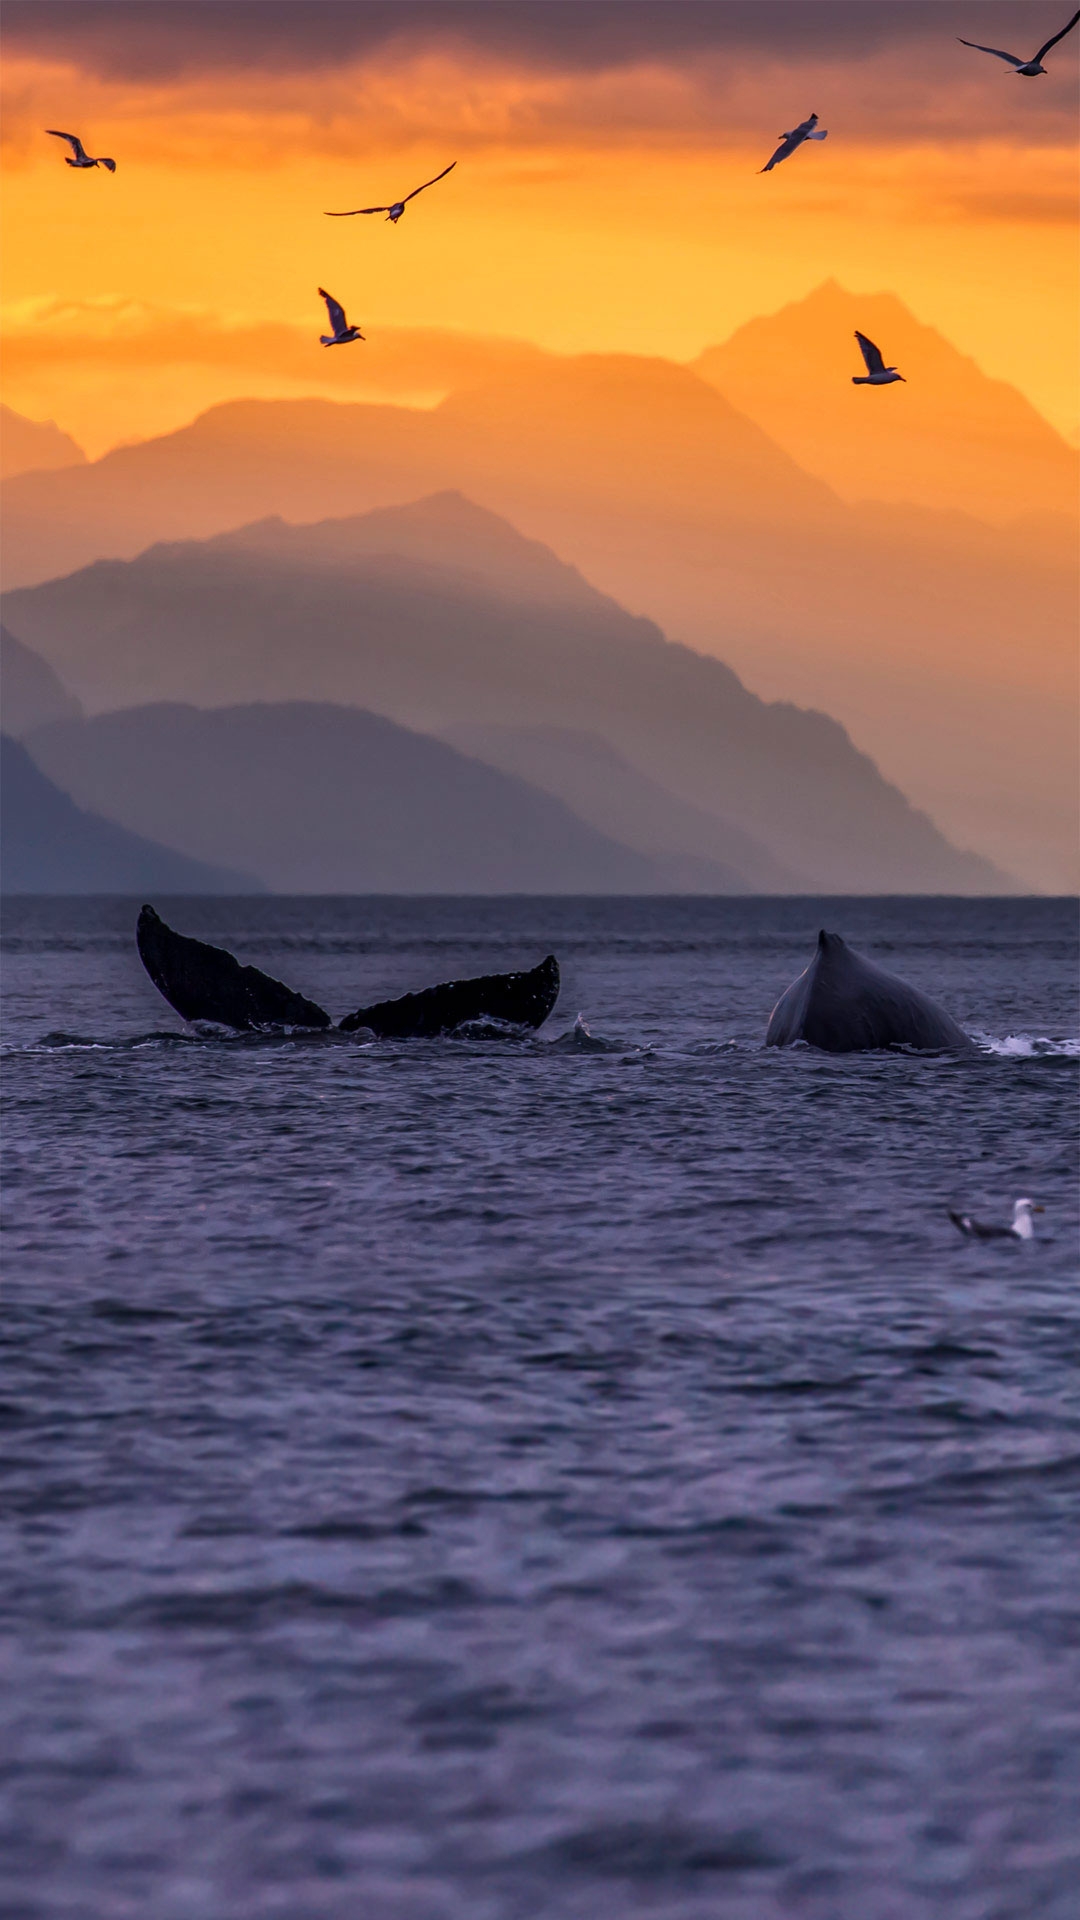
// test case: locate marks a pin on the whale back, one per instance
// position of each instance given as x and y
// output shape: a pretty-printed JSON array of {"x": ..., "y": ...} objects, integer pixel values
[{"x": 843, "y": 1003}]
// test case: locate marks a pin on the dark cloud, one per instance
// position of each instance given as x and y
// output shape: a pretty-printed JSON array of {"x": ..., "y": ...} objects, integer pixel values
[{"x": 160, "y": 40}]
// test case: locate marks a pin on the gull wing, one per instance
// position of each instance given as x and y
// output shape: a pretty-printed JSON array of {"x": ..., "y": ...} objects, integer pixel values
[
  {"x": 335, "y": 310},
  {"x": 1059, "y": 36},
  {"x": 1010, "y": 57},
  {"x": 871, "y": 354},
  {"x": 979, "y": 1229},
  {"x": 348, "y": 212},
  {"x": 787, "y": 147},
  {"x": 73, "y": 140},
  {"x": 104, "y": 161},
  {"x": 427, "y": 183}
]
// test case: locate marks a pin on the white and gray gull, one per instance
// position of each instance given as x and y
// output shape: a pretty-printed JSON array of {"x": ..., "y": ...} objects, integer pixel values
[
  {"x": 80, "y": 156},
  {"x": 1022, "y": 1227},
  {"x": 342, "y": 333},
  {"x": 790, "y": 142},
  {"x": 877, "y": 373},
  {"x": 1029, "y": 68},
  {"x": 397, "y": 207}
]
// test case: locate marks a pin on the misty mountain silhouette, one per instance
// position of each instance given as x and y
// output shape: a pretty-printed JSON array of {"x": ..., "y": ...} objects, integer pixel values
[
  {"x": 28, "y": 445},
  {"x": 324, "y": 799},
  {"x": 603, "y": 788},
  {"x": 633, "y": 435},
  {"x": 903, "y": 624},
  {"x": 357, "y": 613},
  {"x": 31, "y": 694},
  {"x": 50, "y": 845},
  {"x": 954, "y": 439}
]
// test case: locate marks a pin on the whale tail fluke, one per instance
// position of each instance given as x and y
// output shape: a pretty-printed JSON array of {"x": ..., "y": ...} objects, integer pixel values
[{"x": 205, "y": 983}]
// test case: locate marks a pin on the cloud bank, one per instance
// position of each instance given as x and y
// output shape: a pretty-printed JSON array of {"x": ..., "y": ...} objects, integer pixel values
[{"x": 527, "y": 71}]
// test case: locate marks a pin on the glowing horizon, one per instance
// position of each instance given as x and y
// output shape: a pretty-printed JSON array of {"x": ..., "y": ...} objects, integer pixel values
[{"x": 598, "y": 204}]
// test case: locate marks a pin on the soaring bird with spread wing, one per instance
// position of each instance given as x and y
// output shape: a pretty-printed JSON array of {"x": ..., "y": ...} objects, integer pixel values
[
  {"x": 342, "y": 333},
  {"x": 790, "y": 142},
  {"x": 1029, "y": 68},
  {"x": 80, "y": 157},
  {"x": 397, "y": 207},
  {"x": 877, "y": 373}
]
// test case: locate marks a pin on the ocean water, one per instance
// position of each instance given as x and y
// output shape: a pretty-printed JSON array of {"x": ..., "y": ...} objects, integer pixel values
[{"x": 491, "y": 1479}]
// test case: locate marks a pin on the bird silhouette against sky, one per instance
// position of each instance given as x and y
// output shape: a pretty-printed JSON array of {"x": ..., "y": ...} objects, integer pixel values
[
  {"x": 877, "y": 373},
  {"x": 1022, "y": 1227},
  {"x": 1027, "y": 67},
  {"x": 397, "y": 207},
  {"x": 789, "y": 142},
  {"x": 342, "y": 333},
  {"x": 81, "y": 157}
]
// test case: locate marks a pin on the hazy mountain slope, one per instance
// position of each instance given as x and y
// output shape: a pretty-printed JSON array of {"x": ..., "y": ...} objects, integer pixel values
[
  {"x": 640, "y": 434},
  {"x": 945, "y": 645},
  {"x": 28, "y": 445},
  {"x": 324, "y": 799},
  {"x": 303, "y": 459},
  {"x": 603, "y": 788},
  {"x": 951, "y": 437},
  {"x": 445, "y": 531},
  {"x": 50, "y": 845},
  {"x": 436, "y": 648},
  {"x": 30, "y": 693}
]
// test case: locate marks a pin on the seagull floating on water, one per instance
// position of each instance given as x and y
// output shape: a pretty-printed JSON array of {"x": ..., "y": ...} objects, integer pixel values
[
  {"x": 1021, "y": 1228},
  {"x": 397, "y": 207},
  {"x": 790, "y": 141},
  {"x": 877, "y": 373},
  {"x": 1029, "y": 68},
  {"x": 81, "y": 157},
  {"x": 342, "y": 333}
]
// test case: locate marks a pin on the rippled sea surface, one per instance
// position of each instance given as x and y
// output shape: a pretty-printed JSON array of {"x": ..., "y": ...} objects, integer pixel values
[{"x": 494, "y": 1480}]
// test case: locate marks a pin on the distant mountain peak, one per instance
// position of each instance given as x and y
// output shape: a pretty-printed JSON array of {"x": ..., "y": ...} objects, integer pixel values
[
  {"x": 444, "y": 529},
  {"x": 29, "y": 446},
  {"x": 952, "y": 438}
]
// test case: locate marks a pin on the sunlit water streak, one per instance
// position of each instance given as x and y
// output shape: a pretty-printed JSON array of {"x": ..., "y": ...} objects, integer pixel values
[{"x": 489, "y": 1478}]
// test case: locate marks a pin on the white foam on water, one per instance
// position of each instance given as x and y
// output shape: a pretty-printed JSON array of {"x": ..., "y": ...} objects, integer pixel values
[{"x": 1030, "y": 1046}]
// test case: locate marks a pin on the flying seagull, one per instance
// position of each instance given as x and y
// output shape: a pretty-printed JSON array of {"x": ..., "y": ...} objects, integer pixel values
[
  {"x": 877, "y": 373},
  {"x": 395, "y": 211},
  {"x": 342, "y": 333},
  {"x": 1027, "y": 67},
  {"x": 789, "y": 141},
  {"x": 1021, "y": 1228},
  {"x": 82, "y": 158}
]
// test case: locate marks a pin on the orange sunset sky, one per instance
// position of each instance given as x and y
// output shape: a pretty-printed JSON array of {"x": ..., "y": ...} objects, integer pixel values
[{"x": 606, "y": 193}]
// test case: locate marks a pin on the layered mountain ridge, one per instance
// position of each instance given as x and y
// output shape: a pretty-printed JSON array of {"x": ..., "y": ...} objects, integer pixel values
[
  {"x": 49, "y": 844},
  {"x": 320, "y": 798},
  {"x": 945, "y": 645},
  {"x": 368, "y": 613}
]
